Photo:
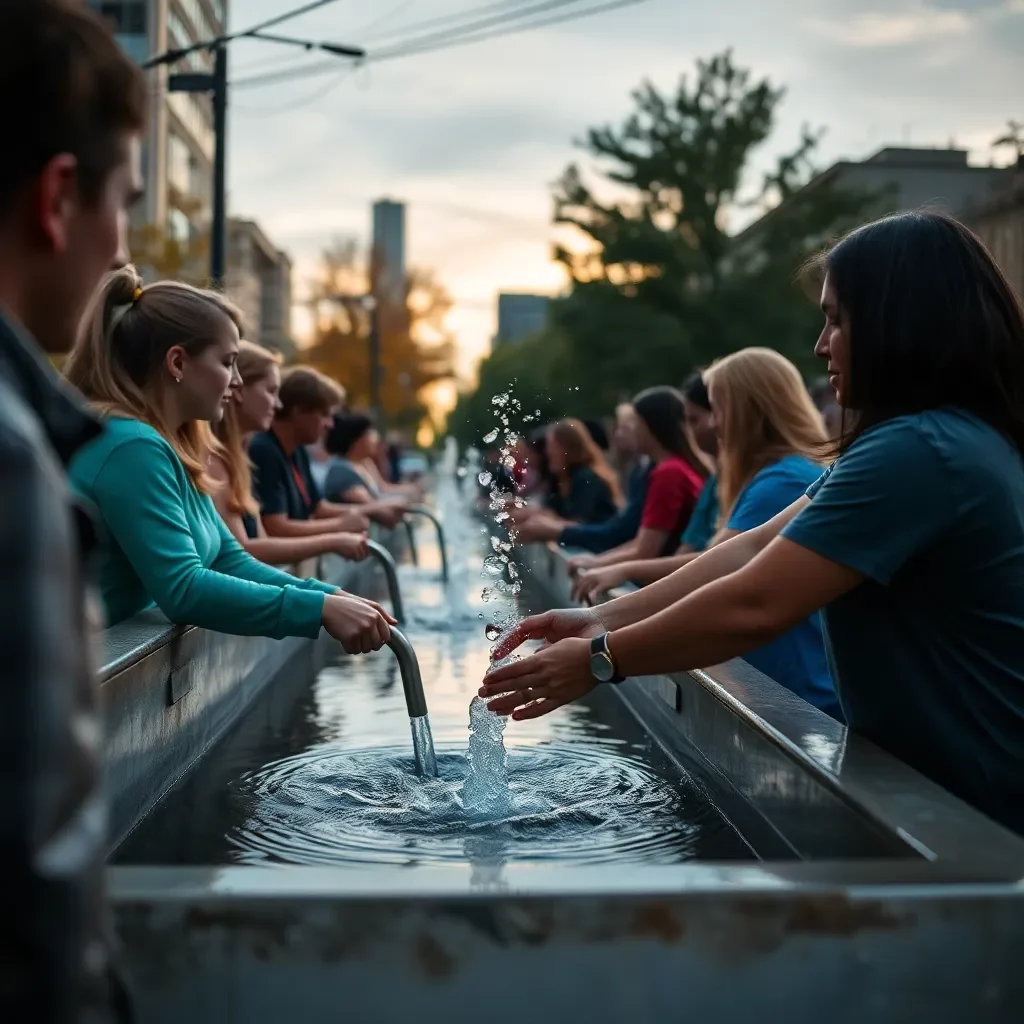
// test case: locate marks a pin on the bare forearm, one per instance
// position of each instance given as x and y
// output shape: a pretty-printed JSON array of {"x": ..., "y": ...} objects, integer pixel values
[
  {"x": 711, "y": 565},
  {"x": 650, "y": 570},
  {"x": 623, "y": 553},
  {"x": 723, "y": 621},
  {"x": 285, "y": 527},
  {"x": 721, "y": 560},
  {"x": 331, "y": 510},
  {"x": 287, "y": 550}
]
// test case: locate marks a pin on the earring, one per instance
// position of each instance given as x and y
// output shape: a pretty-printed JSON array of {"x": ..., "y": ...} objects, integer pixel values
[{"x": 177, "y": 380}]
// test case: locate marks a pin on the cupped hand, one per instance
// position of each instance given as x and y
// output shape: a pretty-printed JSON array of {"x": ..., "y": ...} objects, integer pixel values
[
  {"x": 551, "y": 627},
  {"x": 354, "y": 522},
  {"x": 590, "y": 584},
  {"x": 538, "y": 527},
  {"x": 358, "y": 625},
  {"x": 351, "y": 546},
  {"x": 579, "y": 562},
  {"x": 535, "y": 686},
  {"x": 389, "y": 514}
]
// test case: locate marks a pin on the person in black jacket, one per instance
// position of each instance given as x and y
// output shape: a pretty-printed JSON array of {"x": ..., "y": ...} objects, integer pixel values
[{"x": 586, "y": 490}]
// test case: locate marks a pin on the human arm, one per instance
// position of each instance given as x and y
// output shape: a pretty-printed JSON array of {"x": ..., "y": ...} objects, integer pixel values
[
  {"x": 858, "y": 523},
  {"x": 724, "y": 619},
  {"x": 139, "y": 491},
  {"x": 387, "y": 513},
  {"x": 725, "y": 558},
  {"x": 648, "y": 543}
]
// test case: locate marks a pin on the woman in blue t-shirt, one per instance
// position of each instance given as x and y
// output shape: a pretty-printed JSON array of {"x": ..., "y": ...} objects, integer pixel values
[
  {"x": 770, "y": 438},
  {"x": 911, "y": 544}
]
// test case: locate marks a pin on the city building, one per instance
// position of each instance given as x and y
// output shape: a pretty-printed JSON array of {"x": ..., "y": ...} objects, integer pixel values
[
  {"x": 999, "y": 221},
  {"x": 259, "y": 282},
  {"x": 178, "y": 149},
  {"x": 388, "y": 253},
  {"x": 903, "y": 178},
  {"x": 520, "y": 315}
]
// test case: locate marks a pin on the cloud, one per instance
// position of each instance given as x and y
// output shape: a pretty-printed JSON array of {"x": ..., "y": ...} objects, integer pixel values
[{"x": 875, "y": 29}]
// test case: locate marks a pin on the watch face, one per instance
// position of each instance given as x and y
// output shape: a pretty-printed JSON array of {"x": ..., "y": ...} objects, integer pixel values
[{"x": 601, "y": 667}]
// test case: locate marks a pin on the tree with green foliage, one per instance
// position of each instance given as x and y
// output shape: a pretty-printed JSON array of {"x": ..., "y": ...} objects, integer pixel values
[{"x": 659, "y": 286}]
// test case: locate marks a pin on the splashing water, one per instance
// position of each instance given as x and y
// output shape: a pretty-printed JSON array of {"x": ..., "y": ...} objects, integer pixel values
[{"x": 485, "y": 789}]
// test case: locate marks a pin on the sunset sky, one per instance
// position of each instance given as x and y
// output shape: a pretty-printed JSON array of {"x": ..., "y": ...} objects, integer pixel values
[{"x": 471, "y": 137}]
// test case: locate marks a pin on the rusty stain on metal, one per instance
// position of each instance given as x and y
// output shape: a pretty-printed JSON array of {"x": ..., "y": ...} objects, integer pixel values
[
  {"x": 434, "y": 959},
  {"x": 837, "y": 915},
  {"x": 657, "y": 921}
]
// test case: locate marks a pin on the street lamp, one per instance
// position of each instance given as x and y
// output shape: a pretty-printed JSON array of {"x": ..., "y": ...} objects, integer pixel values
[{"x": 217, "y": 85}]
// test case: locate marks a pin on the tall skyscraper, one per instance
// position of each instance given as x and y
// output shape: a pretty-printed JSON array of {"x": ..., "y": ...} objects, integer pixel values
[
  {"x": 388, "y": 257},
  {"x": 179, "y": 144}
]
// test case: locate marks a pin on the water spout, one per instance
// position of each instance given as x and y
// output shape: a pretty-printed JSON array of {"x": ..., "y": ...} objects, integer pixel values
[
  {"x": 387, "y": 563},
  {"x": 422, "y": 510},
  {"x": 416, "y": 702},
  {"x": 414, "y": 555}
]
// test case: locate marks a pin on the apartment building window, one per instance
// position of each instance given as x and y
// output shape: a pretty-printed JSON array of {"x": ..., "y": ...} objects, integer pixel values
[{"x": 128, "y": 17}]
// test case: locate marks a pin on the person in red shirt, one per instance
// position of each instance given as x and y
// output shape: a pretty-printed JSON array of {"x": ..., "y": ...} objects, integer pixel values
[{"x": 675, "y": 482}]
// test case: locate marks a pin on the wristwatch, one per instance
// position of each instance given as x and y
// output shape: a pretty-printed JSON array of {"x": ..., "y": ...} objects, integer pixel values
[{"x": 602, "y": 664}]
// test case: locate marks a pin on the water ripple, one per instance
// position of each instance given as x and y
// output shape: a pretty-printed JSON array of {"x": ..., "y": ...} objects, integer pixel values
[{"x": 334, "y": 805}]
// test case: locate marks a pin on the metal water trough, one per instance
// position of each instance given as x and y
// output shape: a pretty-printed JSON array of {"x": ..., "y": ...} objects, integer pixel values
[{"x": 877, "y": 897}]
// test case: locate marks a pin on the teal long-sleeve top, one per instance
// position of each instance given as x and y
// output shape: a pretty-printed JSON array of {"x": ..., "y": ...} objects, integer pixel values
[{"x": 166, "y": 545}]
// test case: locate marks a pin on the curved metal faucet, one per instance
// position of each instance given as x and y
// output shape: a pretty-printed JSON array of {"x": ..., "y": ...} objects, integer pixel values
[
  {"x": 414, "y": 555},
  {"x": 416, "y": 702},
  {"x": 387, "y": 563},
  {"x": 422, "y": 510}
]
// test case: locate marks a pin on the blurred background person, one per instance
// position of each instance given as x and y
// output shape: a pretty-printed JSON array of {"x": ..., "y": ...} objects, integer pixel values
[
  {"x": 585, "y": 489},
  {"x": 770, "y": 439},
  {"x": 251, "y": 409},
  {"x": 677, "y": 476}
]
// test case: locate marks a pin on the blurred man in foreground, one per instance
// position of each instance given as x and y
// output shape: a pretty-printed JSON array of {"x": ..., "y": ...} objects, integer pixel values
[{"x": 71, "y": 109}]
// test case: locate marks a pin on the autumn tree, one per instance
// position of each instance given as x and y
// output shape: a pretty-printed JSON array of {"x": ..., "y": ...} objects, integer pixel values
[{"x": 416, "y": 347}]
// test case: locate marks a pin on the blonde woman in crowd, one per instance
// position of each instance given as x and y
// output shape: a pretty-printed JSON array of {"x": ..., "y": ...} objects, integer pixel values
[{"x": 770, "y": 439}]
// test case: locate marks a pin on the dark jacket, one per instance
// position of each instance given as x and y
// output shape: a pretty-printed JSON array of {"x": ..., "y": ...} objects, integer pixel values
[
  {"x": 621, "y": 527},
  {"x": 52, "y": 825},
  {"x": 589, "y": 499}
]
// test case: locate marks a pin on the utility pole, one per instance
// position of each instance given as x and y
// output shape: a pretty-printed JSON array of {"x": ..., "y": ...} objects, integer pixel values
[
  {"x": 216, "y": 85},
  {"x": 219, "y": 225}
]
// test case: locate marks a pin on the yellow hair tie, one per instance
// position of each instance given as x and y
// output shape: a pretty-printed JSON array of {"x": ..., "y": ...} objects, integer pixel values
[{"x": 137, "y": 294}]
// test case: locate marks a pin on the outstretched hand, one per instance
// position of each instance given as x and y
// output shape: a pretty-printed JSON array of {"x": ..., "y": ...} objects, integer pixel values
[
  {"x": 551, "y": 678},
  {"x": 551, "y": 627}
]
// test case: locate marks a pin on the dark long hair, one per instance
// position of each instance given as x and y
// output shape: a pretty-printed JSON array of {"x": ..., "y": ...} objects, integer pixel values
[
  {"x": 663, "y": 414},
  {"x": 932, "y": 322}
]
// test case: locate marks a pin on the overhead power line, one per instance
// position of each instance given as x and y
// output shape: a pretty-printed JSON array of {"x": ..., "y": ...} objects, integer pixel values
[
  {"x": 473, "y": 32},
  {"x": 442, "y": 21}
]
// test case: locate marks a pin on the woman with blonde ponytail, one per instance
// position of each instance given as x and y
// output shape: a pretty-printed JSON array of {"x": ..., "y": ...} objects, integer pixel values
[
  {"x": 158, "y": 363},
  {"x": 770, "y": 442},
  {"x": 251, "y": 409}
]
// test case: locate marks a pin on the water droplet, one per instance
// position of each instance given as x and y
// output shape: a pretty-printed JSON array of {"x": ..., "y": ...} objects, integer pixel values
[
  {"x": 460, "y": 472},
  {"x": 491, "y": 435},
  {"x": 484, "y": 478},
  {"x": 479, "y": 615},
  {"x": 493, "y": 566},
  {"x": 492, "y": 632}
]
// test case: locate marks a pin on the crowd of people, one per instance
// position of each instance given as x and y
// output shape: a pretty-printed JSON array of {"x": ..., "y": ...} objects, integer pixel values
[{"x": 864, "y": 547}]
